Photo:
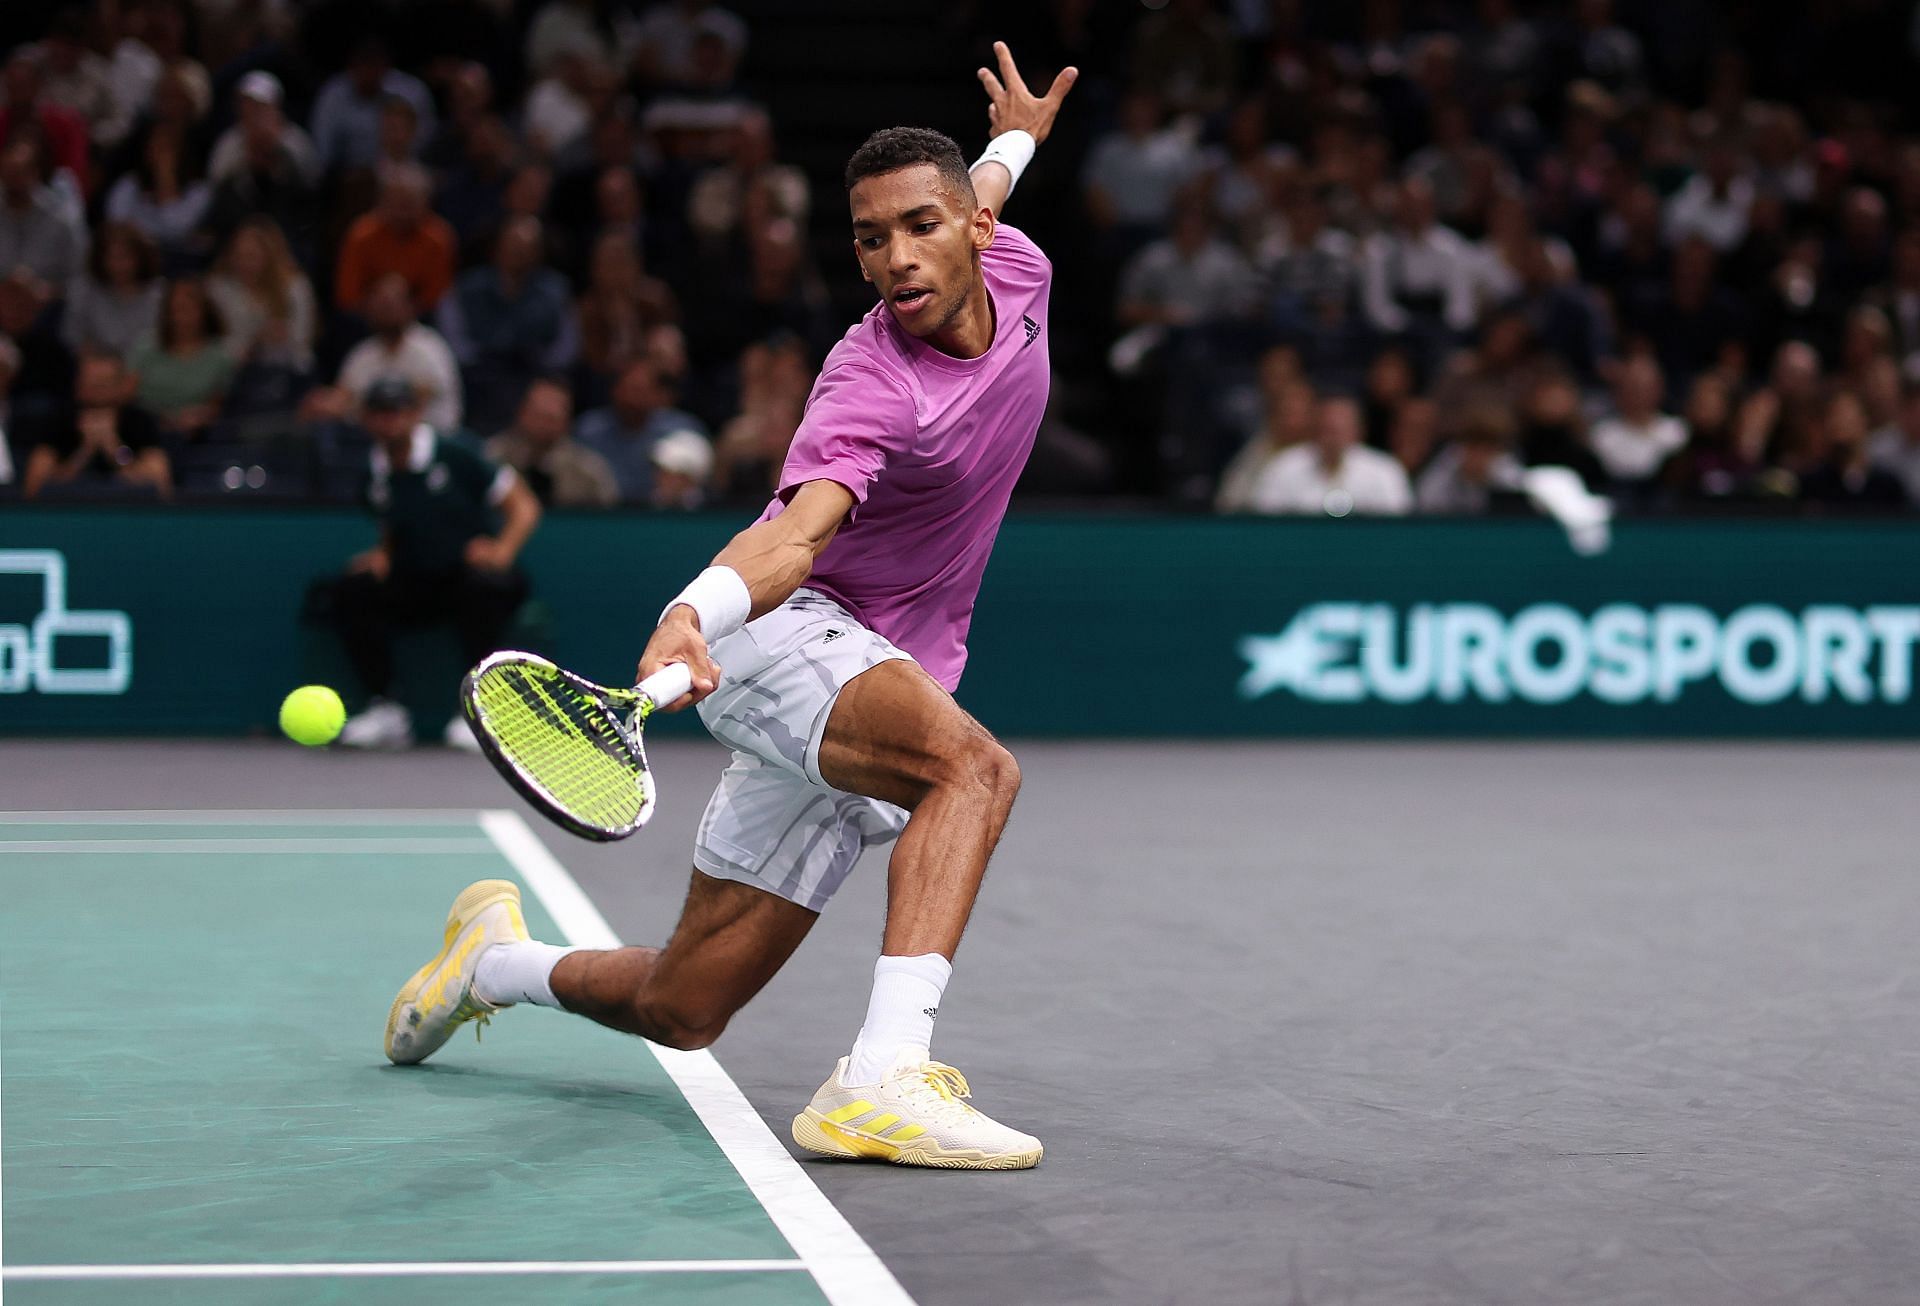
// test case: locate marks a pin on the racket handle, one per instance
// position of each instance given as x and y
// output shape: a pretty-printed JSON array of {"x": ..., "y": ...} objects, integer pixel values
[{"x": 667, "y": 684}]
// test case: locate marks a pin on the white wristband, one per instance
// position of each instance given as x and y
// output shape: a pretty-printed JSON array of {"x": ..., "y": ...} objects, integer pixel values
[
  {"x": 1012, "y": 150},
  {"x": 719, "y": 598}
]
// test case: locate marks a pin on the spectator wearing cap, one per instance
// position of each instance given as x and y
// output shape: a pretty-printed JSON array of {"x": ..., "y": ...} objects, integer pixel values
[
  {"x": 346, "y": 113},
  {"x": 562, "y": 472},
  {"x": 626, "y": 430},
  {"x": 99, "y": 440},
  {"x": 401, "y": 236},
  {"x": 452, "y": 525},
  {"x": 1334, "y": 474},
  {"x": 264, "y": 164},
  {"x": 509, "y": 321},
  {"x": 261, "y": 133},
  {"x": 682, "y": 467},
  {"x": 400, "y": 346}
]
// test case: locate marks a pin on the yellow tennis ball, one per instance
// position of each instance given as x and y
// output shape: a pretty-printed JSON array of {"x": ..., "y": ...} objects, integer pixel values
[{"x": 312, "y": 715}]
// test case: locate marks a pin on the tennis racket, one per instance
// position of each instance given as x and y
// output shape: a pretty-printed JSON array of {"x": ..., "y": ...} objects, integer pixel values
[{"x": 571, "y": 747}]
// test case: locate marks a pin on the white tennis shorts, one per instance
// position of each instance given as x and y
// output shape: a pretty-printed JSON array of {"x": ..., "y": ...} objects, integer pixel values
[{"x": 773, "y": 822}]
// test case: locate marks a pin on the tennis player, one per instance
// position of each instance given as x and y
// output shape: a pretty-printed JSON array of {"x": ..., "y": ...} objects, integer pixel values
[{"x": 841, "y": 619}]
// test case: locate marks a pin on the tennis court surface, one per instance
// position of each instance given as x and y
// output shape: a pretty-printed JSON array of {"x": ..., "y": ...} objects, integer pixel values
[
  {"x": 195, "y": 1101},
  {"x": 1377, "y": 1025}
]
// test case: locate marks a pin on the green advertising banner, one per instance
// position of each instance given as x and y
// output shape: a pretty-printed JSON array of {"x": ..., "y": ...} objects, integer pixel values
[{"x": 156, "y": 621}]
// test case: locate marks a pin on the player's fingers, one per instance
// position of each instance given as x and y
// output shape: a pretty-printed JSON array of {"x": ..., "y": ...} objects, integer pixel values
[
  {"x": 1008, "y": 73},
  {"x": 1062, "y": 84},
  {"x": 995, "y": 91}
]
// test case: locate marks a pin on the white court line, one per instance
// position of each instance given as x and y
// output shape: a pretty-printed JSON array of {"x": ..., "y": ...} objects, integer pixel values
[
  {"x": 391, "y": 1269},
  {"x": 237, "y": 816},
  {"x": 847, "y": 1270},
  {"x": 384, "y": 847}
]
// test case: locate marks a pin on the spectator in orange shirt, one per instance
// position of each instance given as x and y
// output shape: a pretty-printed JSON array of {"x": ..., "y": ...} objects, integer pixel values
[{"x": 401, "y": 235}]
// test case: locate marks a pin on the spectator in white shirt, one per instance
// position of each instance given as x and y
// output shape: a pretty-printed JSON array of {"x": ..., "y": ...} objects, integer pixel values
[
  {"x": 401, "y": 346},
  {"x": 1418, "y": 276},
  {"x": 1714, "y": 203},
  {"x": 1287, "y": 403},
  {"x": 1635, "y": 440},
  {"x": 1334, "y": 474}
]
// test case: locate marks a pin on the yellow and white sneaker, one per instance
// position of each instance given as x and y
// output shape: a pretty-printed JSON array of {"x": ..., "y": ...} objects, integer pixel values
[
  {"x": 439, "y": 998},
  {"x": 916, "y": 1115}
]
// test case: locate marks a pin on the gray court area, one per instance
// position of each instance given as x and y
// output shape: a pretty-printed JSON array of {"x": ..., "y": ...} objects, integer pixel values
[{"x": 1307, "y": 1023}]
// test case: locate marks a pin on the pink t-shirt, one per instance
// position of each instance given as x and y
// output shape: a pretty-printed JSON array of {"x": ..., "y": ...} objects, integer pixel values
[{"x": 930, "y": 446}]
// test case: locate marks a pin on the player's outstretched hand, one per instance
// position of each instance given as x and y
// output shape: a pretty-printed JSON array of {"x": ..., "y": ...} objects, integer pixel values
[
  {"x": 678, "y": 639},
  {"x": 1011, "y": 106}
]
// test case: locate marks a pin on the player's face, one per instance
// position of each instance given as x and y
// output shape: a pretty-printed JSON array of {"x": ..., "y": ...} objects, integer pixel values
[{"x": 919, "y": 244}]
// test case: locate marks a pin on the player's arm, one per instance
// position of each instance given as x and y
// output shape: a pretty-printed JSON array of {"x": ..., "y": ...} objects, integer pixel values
[
  {"x": 757, "y": 572},
  {"x": 1017, "y": 122}
]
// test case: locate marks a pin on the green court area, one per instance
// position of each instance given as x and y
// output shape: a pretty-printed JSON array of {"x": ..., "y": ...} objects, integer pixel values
[{"x": 194, "y": 1106}]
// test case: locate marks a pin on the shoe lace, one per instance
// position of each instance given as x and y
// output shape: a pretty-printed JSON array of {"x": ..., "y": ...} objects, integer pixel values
[
  {"x": 480, "y": 1017},
  {"x": 939, "y": 1089}
]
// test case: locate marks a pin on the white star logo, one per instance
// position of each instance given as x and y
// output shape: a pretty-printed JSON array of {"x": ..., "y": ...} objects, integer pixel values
[{"x": 1276, "y": 661}]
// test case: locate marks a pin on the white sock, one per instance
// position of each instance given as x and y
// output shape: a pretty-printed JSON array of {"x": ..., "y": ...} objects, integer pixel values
[
  {"x": 906, "y": 998},
  {"x": 518, "y": 972}
]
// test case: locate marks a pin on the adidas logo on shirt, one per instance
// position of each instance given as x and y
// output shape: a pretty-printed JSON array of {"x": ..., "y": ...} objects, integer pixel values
[{"x": 1033, "y": 329}]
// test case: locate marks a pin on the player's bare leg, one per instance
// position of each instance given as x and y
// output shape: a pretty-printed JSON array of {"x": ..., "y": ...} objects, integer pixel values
[
  {"x": 896, "y": 735},
  {"x": 731, "y": 939}
]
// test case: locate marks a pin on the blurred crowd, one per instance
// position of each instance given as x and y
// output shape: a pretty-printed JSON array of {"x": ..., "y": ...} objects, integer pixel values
[
  {"x": 223, "y": 223},
  {"x": 1379, "y": 257},
  {"x": 1383, "y": 257}
]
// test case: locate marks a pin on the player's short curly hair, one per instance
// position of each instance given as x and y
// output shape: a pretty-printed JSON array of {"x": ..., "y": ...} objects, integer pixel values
[{"x": 895, "y": 148}]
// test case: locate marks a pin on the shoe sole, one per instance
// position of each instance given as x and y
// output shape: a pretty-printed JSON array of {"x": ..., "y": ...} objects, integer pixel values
[
  {"x": 820, "y": 1135},
  {"x": 474, "y": 899}
]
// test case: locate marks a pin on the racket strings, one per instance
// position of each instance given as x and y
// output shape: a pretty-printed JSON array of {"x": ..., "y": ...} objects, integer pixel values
[{"x": 565, "y": 742}]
